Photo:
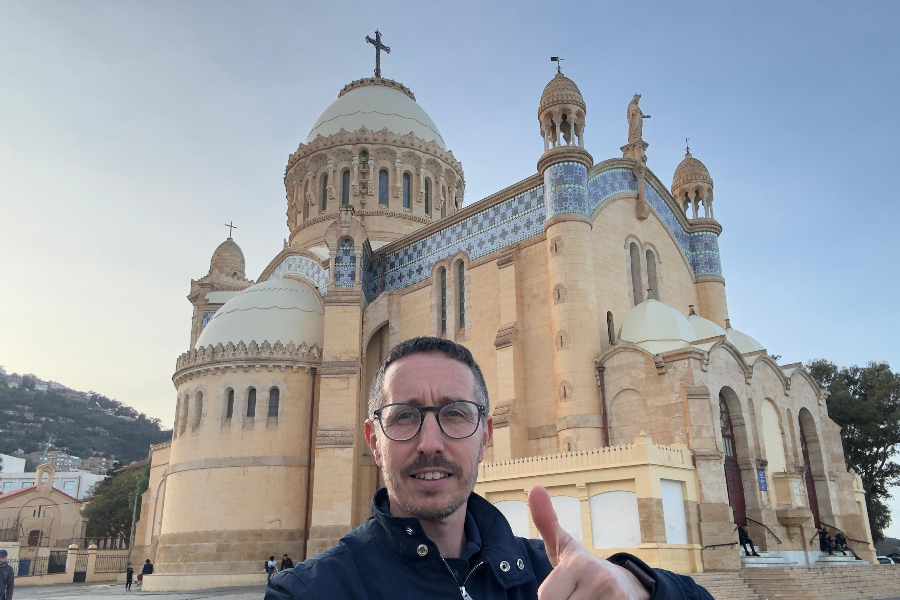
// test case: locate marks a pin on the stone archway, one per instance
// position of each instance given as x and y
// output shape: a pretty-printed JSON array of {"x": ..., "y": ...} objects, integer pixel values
[
  {"x": 734, "y": 442},
  {"x": 812, "y": 459},
  {"x": 370, "y": 478}
]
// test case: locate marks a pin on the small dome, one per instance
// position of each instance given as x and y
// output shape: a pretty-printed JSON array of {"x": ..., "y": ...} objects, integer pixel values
[
  {"x": 657, "y": 327},
  {"x": 743, "y": 342},
  {"x": 561, "y": 90},
  {"x": 376, "y": 104},
  {"x": 228, "y": 260},
  {"x": 690, "y": 172},
  {"x": 704, "y": 328},
  {"x": 284, "y": 310}
]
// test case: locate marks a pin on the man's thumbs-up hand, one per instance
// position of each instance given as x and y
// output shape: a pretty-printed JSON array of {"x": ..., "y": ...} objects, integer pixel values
[{"x": 577, "y": 574}]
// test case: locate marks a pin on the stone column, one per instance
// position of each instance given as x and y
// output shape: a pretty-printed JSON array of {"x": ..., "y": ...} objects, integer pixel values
[
  {"x": 71, "y": 557},
  {"x": 91, "y": 562},
  {"x": 354, "y": 184},
  {"x": 573, "y": 305}
]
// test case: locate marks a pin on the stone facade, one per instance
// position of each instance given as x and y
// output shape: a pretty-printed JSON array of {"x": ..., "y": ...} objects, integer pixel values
[{"x": 541, "y": 282}]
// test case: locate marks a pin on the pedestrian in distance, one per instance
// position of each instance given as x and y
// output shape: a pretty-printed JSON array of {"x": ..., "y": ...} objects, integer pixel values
[
  {"x": 147, "y": 569},
  {"x": 430, "y": 536},
  {"x": 286, "y": 563},
  {"x": 840, "y": 543},
  {"x": 7, "y": 576},
  {"x": 271, "y": 567},
  {"x": 746, "y": 542},
  {"x": 826, "y": 542},
  {"x": 129, "y": 576}
]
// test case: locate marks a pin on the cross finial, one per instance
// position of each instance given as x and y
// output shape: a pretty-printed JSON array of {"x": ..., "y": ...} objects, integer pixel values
[
  {"x": 230, "y": 226},
  {"x": 558, "y": 62},
  {"x": 687, "y": 147},
  {"x": 378, "y": 48}
]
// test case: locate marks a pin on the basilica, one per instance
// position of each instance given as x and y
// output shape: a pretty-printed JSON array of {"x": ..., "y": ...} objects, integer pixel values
[{"x": 592, "y": 295}]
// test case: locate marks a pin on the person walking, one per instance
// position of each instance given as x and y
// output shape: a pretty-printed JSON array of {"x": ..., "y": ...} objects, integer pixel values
[
  {"x": 271, "y": 567},
  {"x": 286, "y": 563},
  {"x": 129, "y": 575},
  {"x": 430, "y": 536},
  {"x": 745, "y": 541},
  {"x": 7, "y": 576}
]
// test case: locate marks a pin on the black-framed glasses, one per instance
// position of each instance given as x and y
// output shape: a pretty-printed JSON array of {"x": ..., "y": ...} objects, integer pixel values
[{"x": 458, "y": 419}]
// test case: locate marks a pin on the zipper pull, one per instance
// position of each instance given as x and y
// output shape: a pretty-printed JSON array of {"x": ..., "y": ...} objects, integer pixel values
[{"x": 465, "y": 594}]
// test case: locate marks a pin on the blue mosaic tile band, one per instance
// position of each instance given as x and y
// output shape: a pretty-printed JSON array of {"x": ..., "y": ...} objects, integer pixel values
[
  {"x": 305, "y": 267},
  {"x": 509, "y": 222},
  {"x": 705, "y": 259},
  {"x": 371, "y": 277},
  {"x": 207, "y": 315},
  {"x": 565, "y": 189},
  {"x": 345, "y": 264}
]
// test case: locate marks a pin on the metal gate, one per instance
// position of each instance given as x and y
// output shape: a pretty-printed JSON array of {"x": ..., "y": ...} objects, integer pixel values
[
  {"x": 81, "y": 564},
  {"x": 57, "y": 561}
]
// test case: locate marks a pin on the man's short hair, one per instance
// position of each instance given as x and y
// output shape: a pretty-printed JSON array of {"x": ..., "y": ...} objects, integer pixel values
[{"x": 428, "y": 345}]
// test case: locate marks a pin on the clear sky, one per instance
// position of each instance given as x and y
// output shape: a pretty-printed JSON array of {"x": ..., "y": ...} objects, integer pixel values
[{"x": 131, "y": 132}]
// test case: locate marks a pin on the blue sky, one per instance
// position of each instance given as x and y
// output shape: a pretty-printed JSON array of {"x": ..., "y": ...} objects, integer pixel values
[{"x": 131, "y": 132}]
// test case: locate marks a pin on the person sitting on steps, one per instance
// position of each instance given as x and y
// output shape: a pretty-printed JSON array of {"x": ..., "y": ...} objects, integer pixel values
[{"x": 745, "y": 540}]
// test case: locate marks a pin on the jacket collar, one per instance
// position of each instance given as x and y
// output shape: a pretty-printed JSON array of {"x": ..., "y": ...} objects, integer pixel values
[{"x": 485, "y": 527}]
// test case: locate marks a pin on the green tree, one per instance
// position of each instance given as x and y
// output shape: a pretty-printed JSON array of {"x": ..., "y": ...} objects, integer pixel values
[
  {"x": 865, "y": 403},
  {"x": 112, "y": 501}
]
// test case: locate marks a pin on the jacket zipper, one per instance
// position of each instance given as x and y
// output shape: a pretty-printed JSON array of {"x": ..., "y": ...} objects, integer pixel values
[{"x": 462, "y": 588}]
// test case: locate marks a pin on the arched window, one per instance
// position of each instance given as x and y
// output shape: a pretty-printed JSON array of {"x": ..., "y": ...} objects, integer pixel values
[
  {"x": 345, "y": 187},
  {"x": 427, "y": 197},
  {"x": 325, "y": 191},
  {"x": 652, "y": 279},
  {"x": 185, "y": 407},
  {"x": 406, "y": 190},
  {"x": 274, "y": 394},
  {"x": 303, "y": 200},
  {"x": 198, "y": 410},
  {"x": 229, "y": 405},
  {"x": 636, "y": 279},
  {"x": 610, "y": 329},
  {"x": 251, "y": 402},
  {"x": 383, "y": 186},
  {"x": 461, "y": 276},
  {"x": 442, "y": 280}
]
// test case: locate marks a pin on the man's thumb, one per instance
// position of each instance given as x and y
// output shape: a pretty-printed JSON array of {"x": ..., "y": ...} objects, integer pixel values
[{"x": 544, "y": 516}]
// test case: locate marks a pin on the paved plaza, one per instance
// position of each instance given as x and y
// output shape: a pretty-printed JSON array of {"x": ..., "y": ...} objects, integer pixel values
[{"x": 108, "y": 591}]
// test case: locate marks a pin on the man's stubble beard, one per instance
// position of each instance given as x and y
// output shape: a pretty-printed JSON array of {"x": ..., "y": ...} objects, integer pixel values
[{"x": 420, "y": 463}]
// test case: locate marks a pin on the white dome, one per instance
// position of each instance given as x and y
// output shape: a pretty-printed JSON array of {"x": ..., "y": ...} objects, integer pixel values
[
  {"x": 657, "y": 327},
  {"x": 282, "y": 310},
  {"x": 704, "y": 328},
  {"x": 743, "y": 342},
  {"x": 376, "y": 105}
]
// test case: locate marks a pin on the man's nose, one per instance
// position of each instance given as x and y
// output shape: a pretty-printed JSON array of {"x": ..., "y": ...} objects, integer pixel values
[{"x": 430, "y": 438}]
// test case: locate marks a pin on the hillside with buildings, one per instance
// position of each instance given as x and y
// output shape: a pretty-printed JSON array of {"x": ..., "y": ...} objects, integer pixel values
[{"x": 85, "y": 430}]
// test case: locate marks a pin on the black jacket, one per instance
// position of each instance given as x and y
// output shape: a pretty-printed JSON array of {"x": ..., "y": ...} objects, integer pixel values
[
  {"x": 7, "y": 576},
  {"x": 286, "y": 563},
  {"x": 147, "y": 569},
  {"x": 391, "y": 558}
]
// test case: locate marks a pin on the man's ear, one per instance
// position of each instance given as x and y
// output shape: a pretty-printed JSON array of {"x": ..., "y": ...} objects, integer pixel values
[
  {"x": 487, "y": 435},
  {"x": 372, "y": 441}
]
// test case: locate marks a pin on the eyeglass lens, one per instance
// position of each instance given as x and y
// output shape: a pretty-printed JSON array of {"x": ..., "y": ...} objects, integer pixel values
[{"x": 401, "y": 422}]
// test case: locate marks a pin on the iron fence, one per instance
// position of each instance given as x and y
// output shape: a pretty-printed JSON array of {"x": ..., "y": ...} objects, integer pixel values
[
  {"x": 111, "y": 563},
  {"x": 57, "y": 561},
  {"x": 101, "y": 543},
  {"x": 10, "y": 534},
  {"x": 81, "y": 561}
]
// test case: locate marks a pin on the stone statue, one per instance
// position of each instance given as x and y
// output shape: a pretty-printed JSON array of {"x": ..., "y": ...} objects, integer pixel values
[{"x": 635, "y": 120}]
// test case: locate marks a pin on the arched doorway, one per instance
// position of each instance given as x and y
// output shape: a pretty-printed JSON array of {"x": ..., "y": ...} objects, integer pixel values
[
  {"x": 810, "y": 482},
  {"x": 370, "y": 478},
  {"x": 732, "y": 468}
]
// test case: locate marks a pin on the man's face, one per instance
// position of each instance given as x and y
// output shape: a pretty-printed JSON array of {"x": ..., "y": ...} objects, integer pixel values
[{"x": 428, "y": 380}]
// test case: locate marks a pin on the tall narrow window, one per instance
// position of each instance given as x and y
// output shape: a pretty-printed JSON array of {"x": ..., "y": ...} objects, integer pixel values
[
  {"x": 345, "y": 187},
  {"x": 610, "y": 328},
  {"x": 251, "y": 402},
  {"x": 461, "y": 276},
  {"x": 636, "y": 279},
  {"x": 185, "y": 407},
  {"x": 406, "y": 190},
  {"x": 198, "y": 410},
  {"x": 229, "y": 405},
  {"x": 273, "y": 402},
  {"x": 652, "y": 279},
  {"x": 324, "y": 191},
  {"x": 427, "y": 197},
  {"x": 303, "y": 200},
  {"x": 442, "y": 277},
  {"x": 383, "y": 186},
  {"x": 443, "y": 201}
]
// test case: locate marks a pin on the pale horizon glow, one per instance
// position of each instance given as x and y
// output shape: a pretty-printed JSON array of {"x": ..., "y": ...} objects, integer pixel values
[{"x": 130, "y": 133}]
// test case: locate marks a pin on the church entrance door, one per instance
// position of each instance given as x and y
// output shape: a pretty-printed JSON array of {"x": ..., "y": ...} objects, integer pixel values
[
  {"x": 732, "y": 470},
  {"x": 810, "y": 482}
]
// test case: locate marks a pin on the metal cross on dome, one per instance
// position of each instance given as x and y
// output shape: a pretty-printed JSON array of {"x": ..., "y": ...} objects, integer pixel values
[
  {"x": 558, "y": 62},
  {"x": 230, "y": 226},
  {"x": 378, "y": 48}
]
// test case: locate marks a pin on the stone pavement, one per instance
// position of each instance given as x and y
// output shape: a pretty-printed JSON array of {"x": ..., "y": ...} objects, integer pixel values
[{"x": 108, "y": 591}]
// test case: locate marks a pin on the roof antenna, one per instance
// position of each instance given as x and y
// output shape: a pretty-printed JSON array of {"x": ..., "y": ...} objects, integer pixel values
[
  {"x": 558, "y": 62},
  {"x": 687, "y": 147}
]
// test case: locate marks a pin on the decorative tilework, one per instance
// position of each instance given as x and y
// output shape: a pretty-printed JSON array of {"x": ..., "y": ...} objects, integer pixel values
[
  {"x": 371, "y": 277},
  {"x": 566, "y": 191},
  {"x": 503, "y": 224},
  {"x": 305, "y": 267},
  {"x": 345, "y": 264},
  {"x": 207, "y": 315}
]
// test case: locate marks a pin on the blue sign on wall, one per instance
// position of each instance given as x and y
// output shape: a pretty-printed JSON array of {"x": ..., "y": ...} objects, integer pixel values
[{"x": 761, "y": 476}]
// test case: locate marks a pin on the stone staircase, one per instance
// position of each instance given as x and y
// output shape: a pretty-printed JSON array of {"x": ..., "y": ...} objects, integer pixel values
[
  {"x": 725, "y": 585},
  {"x": 833, "y": 583},
  {"x": 772, "y": 558}
]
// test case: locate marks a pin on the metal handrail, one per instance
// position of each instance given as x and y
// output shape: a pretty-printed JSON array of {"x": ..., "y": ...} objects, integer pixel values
[
  {"x": 717, "y": 545},
  {"x": 849, "y": 539},
  {"x": 767, "y": 529}
]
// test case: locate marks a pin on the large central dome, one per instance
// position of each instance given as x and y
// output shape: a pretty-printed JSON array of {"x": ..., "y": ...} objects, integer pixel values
[{"x": 376, "y": 103}]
